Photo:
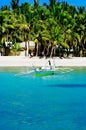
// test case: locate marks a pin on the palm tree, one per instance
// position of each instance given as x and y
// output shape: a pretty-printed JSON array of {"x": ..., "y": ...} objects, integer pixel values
[
  {"x": 55, "y": 24},
  {"x": 5, "y": 7},
  {"x": 36, "y": 3},
  {"x": 14, "y": 4},
  {"x": 6, "y": 24}
]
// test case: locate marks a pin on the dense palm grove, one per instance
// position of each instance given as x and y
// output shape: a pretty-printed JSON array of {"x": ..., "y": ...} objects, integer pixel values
[{"x": 58, "y": 29}]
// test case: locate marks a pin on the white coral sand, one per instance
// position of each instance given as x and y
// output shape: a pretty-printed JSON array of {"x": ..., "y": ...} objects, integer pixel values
[{"x": 15, "y": 61}]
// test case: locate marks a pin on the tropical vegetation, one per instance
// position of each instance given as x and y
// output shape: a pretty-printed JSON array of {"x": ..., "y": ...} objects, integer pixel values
[{"x": 57, "y": 28}]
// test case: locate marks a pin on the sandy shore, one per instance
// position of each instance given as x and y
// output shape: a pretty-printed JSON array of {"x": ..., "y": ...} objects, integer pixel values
[{"x": 6, "y": 61}]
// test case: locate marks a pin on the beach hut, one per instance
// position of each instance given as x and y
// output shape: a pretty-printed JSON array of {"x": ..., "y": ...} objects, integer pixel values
[{"x": 29, "y": 48}]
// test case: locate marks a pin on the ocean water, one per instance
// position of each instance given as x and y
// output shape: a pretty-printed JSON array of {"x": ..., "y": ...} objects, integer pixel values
[{"x": 55, "y": 102}]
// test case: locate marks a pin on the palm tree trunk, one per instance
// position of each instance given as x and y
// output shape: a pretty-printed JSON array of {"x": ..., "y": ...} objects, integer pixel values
[
  {"x": 37, "y": 49},
  {"x": 25, "y": 48}
]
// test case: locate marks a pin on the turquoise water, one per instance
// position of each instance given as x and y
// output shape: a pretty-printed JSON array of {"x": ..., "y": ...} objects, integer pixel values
[{"x": 55, "y": 102}]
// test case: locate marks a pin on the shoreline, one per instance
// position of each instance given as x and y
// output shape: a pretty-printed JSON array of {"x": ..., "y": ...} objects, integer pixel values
[{"x": 22, "y": 61}]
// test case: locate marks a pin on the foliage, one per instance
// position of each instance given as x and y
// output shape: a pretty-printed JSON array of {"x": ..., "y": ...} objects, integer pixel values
[{"x": 56, "y": 24}]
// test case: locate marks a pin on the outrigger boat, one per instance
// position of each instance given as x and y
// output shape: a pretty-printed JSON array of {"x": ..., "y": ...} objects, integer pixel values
[{"x": 45, "y": 71}]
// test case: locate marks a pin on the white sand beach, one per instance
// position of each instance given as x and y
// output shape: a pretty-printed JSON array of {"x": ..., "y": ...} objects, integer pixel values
[{"x": 7, "y": 61}]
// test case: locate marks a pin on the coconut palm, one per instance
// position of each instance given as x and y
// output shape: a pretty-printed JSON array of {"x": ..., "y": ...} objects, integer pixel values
[
  {"x": 14, "y": 4},
  {"x": 55, "y": 24}
]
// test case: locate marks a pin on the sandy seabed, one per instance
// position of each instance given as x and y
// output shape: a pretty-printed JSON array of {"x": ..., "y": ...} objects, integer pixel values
[{"x": 15, "y": 61}]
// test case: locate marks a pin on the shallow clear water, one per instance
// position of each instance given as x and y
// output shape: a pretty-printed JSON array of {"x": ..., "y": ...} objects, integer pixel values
[{"x": 55, "y": 102}]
